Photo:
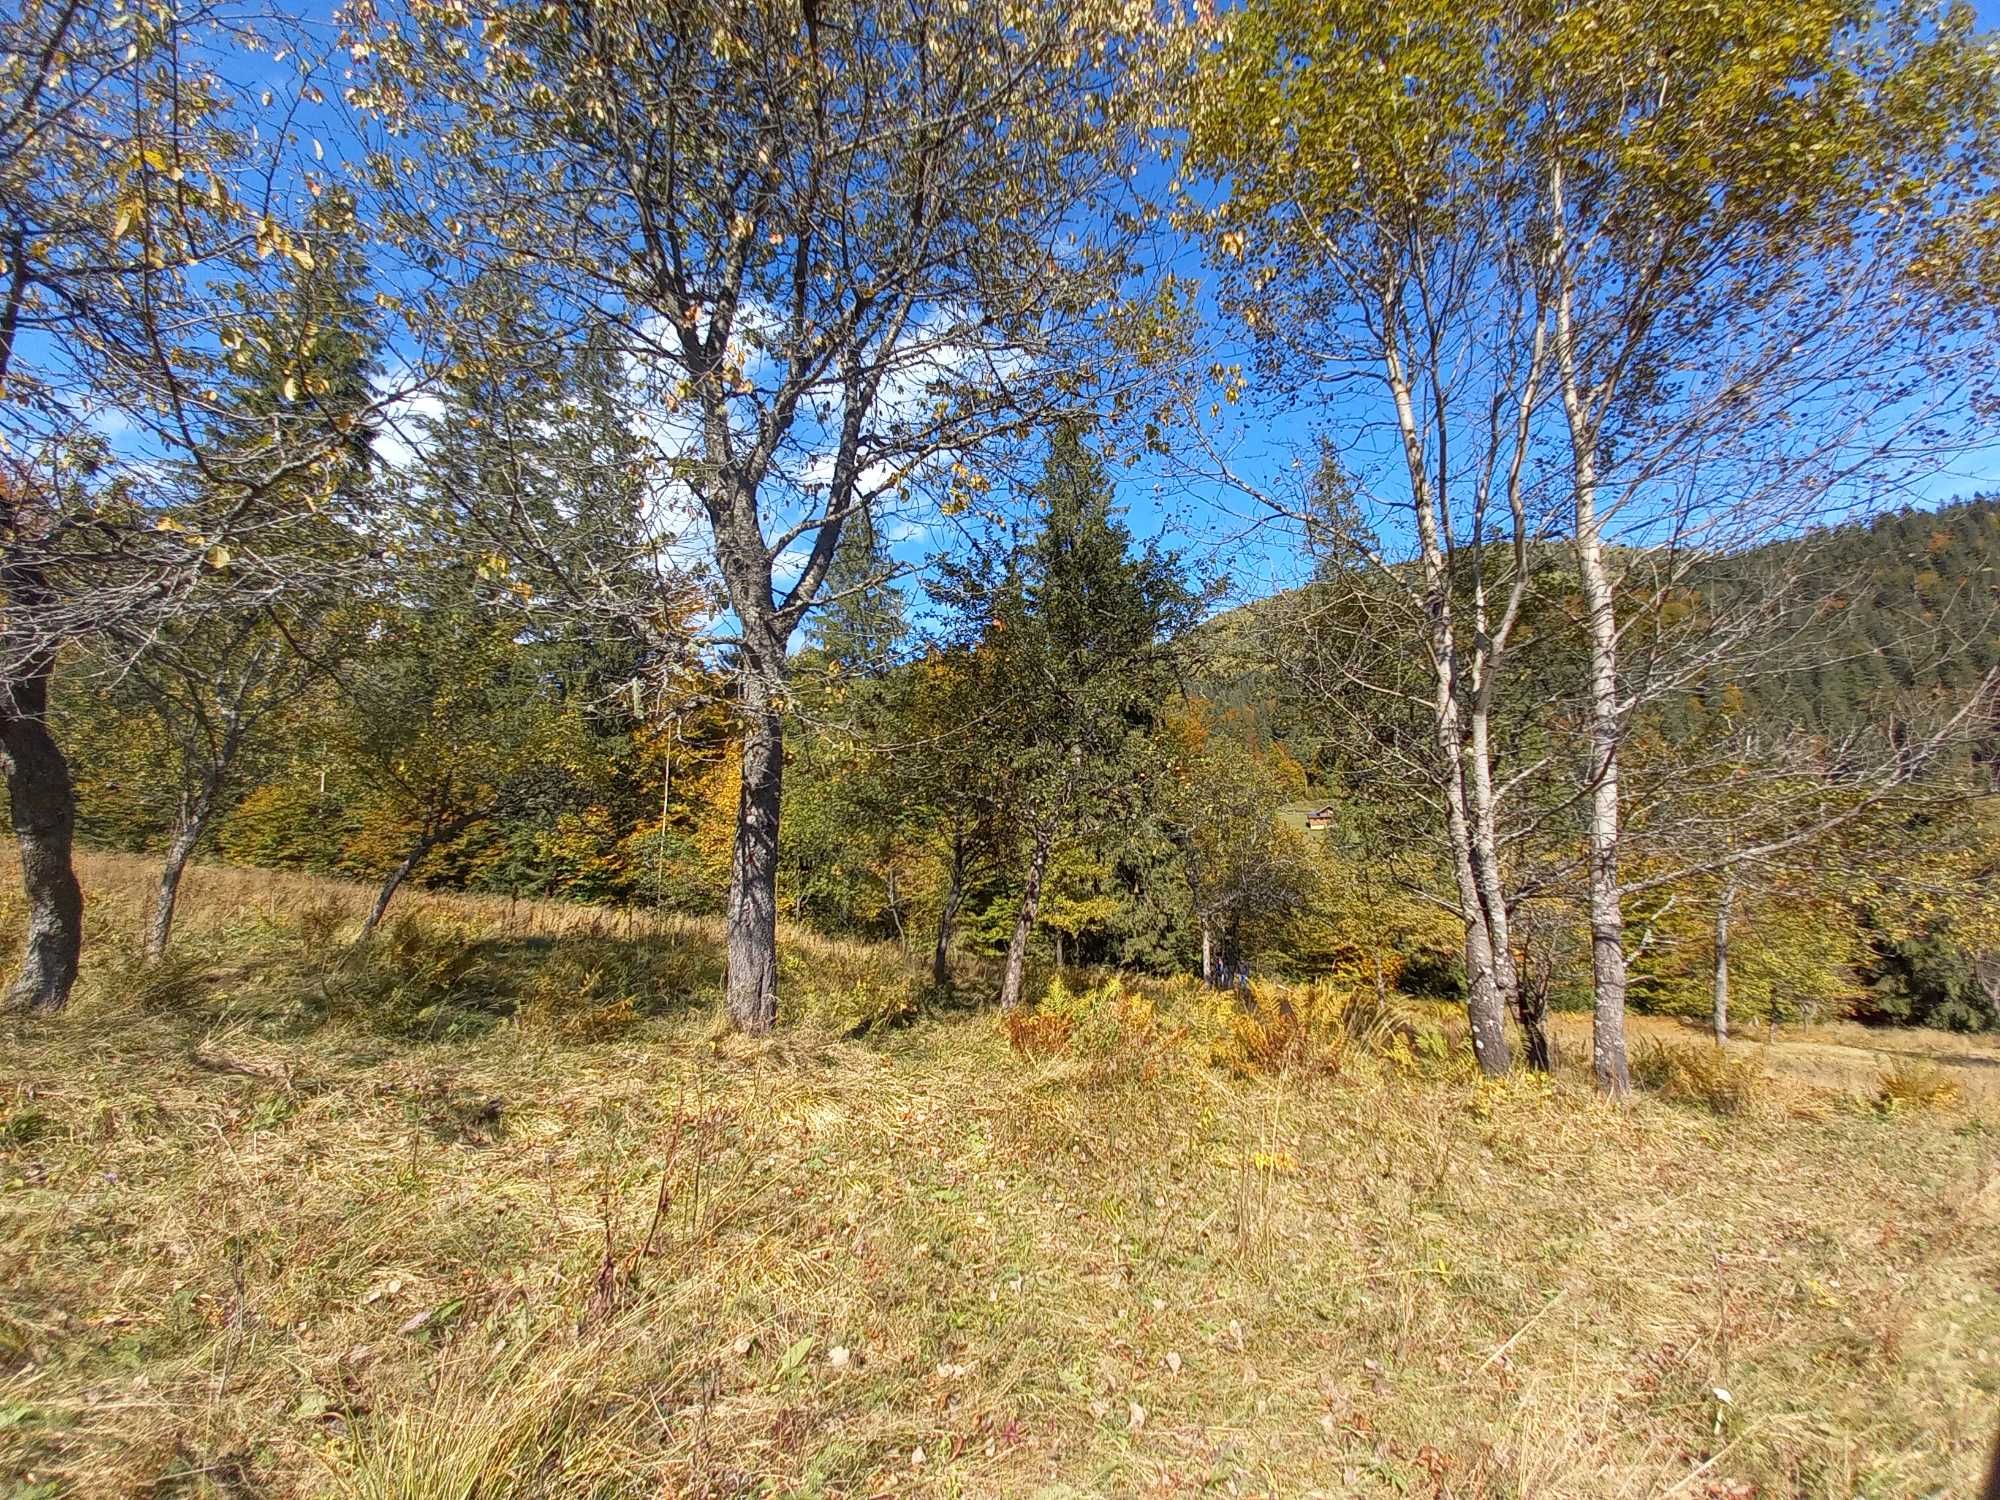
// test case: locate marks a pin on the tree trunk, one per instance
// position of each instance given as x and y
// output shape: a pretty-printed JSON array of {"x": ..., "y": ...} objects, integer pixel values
[
  {"x": 1531, "y": 1009},
  {"x": 1608, "y": 1062},
  {"x": 1024, "y": 920},
  {"x": 1484, "y": 1008},
  {"x": 1722, "y": 913},
  {"x": 42, "y": 801},
  {"x": 1536, "y": 975},
  {"x": 180, "y": 848},
  {"x": 424, "y": 844},
  {"x": 894, "y": 902},
  {"x": 1207, "y": 954},
  {"x": 753, "y": 878},
  {"x": 1482, "y": 989},
  {"x": 393, "y": 884},
  {"x": 1483, "y": 844},
  {"x": 947, "y": 928},
  {"x": 1607, "y": 914},
  {"x": 1482, "y": 994}
]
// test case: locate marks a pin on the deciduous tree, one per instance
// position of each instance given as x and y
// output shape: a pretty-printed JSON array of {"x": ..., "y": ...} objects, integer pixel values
[{"x": 841, "y": 247}]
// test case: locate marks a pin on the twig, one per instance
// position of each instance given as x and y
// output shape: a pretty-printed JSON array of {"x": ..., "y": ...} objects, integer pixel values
[
  {"x": 1501, "y": 1352},
  {"x": 665, "y": 1195}
]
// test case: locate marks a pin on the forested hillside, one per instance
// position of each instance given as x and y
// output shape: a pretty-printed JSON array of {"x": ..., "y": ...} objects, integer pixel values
[
  {"x": 1906, "y": 604},
  {"x": 1911, "y": 598}
]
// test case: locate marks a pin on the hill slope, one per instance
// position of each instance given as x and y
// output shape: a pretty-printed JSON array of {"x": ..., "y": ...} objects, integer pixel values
[{"x": 249, "y": 1252}]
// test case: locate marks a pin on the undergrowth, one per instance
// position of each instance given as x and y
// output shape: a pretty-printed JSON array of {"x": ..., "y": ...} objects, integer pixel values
[
  {"x": 1726, "y": 1082},
  {"x": 1917, "y": 1085},
  {"x": 1139, "y": 1239}
]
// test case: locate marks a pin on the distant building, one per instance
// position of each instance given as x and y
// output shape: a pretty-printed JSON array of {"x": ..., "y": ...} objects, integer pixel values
[{"x": 1309, "y": 817}]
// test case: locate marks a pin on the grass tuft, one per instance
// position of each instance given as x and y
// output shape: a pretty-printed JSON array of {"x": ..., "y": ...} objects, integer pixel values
[
  {"x": 1917, "y": 1085},
  {"x": 1729, "y": 1083}
]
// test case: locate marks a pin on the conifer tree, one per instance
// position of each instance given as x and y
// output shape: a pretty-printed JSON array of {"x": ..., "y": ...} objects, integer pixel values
[{"x": 1083, "y": 634}]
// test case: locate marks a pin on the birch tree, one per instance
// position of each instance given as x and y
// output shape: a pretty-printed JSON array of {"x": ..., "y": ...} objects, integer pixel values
[
  {"x": 1758, "y": 223},
  {"x": 1682, "y": 277},
  {"x": 1376, "y": 250}
]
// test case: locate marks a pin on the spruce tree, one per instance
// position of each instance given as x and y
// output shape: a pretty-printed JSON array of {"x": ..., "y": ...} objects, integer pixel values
[{"x": 1084, "y": 629}]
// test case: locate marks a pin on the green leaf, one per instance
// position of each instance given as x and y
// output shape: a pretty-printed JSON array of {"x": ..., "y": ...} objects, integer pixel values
[{"x": 795, "y": 1356}]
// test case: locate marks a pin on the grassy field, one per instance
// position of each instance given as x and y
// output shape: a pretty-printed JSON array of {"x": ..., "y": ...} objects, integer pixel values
[{"x": 499, "y": 1211}]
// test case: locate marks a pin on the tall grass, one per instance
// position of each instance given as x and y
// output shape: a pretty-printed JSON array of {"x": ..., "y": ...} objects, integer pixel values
[{"x": 257, "y": 1245}]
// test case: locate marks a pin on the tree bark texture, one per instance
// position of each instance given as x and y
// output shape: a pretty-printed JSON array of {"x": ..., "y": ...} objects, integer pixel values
[
  {"x": 160, "y": 924},
  {"x": 752, "y": 990},
  {"x": 1024, "y": 920},
  {"x": 393, "y": 884},
  {"x": 1531, "y": 1009},
  {"x": 42, "y": 802},
  {"x": 1608, "y": 1062},
  {"x": 947, "y": 928},
  {"x": 1723, "y": 906},
  {"x": 41, "y": 798}
]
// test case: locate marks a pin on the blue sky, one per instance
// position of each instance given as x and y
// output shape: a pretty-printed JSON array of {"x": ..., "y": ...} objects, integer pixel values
[
  {"x": 1225, "y": 531},
  {"x": 1218, "y": 530}
]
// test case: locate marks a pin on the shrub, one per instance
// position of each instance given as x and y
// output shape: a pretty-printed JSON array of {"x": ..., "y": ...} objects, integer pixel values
[
  {"x": 848, "y": 989},
  {"x": 1318, "y": 1025},
  {"x": 415, "y": 980},
  {"x": 1103, "y": 1017},
  {"x": 1713, "y": 1077},
  {"x": 1032, "y": 1034},
  {"x": 1428, "y": 1050},
  {"x": 1106, "y": 1023},
  {"x": 1916, "y": 1085}
]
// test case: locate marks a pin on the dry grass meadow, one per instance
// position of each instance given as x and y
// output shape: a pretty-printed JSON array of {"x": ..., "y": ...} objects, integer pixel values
[{"x": 499, "y": 1211}]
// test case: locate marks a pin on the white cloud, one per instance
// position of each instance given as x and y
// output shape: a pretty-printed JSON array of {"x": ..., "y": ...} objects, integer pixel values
[{"x": 404, "y": 415}]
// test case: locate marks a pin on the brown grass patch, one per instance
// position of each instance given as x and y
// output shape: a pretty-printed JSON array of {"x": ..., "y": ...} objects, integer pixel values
[{"x": 246, "y": 1255}]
